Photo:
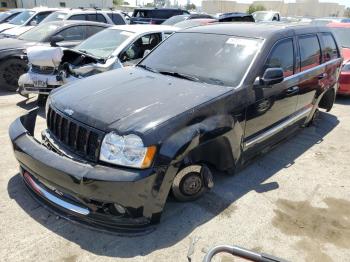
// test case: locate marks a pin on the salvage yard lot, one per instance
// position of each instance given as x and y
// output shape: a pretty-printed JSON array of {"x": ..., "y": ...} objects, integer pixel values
[{"x": 294, "y": 202}]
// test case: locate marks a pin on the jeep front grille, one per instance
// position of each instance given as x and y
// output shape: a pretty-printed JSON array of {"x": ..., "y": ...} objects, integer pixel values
[{"x": 82, "y": 140}]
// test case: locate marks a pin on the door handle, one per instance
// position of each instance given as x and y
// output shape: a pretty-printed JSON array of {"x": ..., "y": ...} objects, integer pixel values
[
  {"x": 321, "y": 76},
  {"x": 292, "y": 90}
]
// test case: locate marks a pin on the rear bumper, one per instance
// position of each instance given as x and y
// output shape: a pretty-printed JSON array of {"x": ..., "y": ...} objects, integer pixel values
[
  {"x": 344, "y": 84},
  {"x": 85, "y": 192}
]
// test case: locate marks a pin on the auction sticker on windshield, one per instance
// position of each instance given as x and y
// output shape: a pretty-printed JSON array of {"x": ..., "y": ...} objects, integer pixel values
[{"x": 242, "y": 42}]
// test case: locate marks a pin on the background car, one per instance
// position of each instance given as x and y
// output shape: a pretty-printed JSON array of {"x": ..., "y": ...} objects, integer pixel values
[
  {"x": 24, "y": 21},
  {"x": 113, "y": 48},
  {"x": 108, "y": 17},
  {"x": 6, "y": 16},
  {"x": 342, "y": 33},
  {"x": 179, "y": 18},
  {"x": 326, "y": 20},
  {"x": 266, "y": 16},
  {"x": 194, "y": 22},
  {"x": 154, "y": 15},
  {"x": 235, "y": 17},
  {"x": 70, "y": 33}
]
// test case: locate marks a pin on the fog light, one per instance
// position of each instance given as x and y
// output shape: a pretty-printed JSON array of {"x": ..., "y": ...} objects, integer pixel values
[{"x": 119, "y": 208}]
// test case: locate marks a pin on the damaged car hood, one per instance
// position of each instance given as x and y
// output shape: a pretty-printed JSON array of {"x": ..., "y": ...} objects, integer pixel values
[{"x": 131, "y": 99}]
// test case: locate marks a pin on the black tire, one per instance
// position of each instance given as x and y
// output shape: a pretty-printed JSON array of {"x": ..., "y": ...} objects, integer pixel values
[
  {"x": 41, "y": 100},
  {"x": 188, "y": 184},
  {"x": 10, "y": 71}
]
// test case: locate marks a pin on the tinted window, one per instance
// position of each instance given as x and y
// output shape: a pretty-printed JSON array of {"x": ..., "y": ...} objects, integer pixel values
[
  {"x": 310, "y": 52},
  {"x": 282, "y": 56},
  {"x": 116, "y": 18},
  {"x": 330, "y": 50},
  {"x": 77, "y": 17},
  {"x": 75, "y": 33},
  {"x": 96, "y": 18}
]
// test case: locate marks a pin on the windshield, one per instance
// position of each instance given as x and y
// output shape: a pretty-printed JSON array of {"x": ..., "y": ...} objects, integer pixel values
[
  {"x": 39, "y": 33},
  {"x": 104, "y": 43},
  {"x": 182, "y": 53},
  {"x": 343, "y": 36},
  {"x": 4, "y": 15},
  {"x": 56, "y": 16},
  {"x": 22, "y": 18},
  {"x": 175, "y": 19},
  {"x": 262, "y": 16}
]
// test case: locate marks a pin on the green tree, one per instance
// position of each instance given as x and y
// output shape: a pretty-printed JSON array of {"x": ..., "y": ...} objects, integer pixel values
[
  {"x": 190, "y": 7},
  {"x": 118, "y": 2},
  {"x": 347, "y": 12},
  {"x": 253, "y": 8}
]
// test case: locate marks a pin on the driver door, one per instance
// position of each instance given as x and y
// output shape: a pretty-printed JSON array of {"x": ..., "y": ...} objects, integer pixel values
[{"x": 276, "y": 103}]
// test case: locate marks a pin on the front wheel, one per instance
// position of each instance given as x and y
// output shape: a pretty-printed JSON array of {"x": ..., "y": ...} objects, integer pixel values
[
  {"x": 10, "y": 71},
  {"x": 188, "y": 184}
]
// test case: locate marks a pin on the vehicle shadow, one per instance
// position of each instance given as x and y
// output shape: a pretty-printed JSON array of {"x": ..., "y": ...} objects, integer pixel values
[
  {"x": 180, "y": 219},
  {"x": 342, "y": 100}
]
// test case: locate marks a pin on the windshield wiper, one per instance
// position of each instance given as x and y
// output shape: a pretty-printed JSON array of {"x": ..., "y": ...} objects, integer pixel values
[
  {"x": 180, "y": 75},
  {"x": 148, "y": 68}
]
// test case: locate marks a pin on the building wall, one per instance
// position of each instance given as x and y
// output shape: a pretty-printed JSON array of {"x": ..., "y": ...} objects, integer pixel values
[
  {"x": 309, "y": 8},
  {"x": 7, "y": 3},
  {"x": 68, "y": 3}
]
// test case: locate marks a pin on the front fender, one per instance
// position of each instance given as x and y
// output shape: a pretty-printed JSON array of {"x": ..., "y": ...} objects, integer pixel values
[{"x": 205, "y": 139}]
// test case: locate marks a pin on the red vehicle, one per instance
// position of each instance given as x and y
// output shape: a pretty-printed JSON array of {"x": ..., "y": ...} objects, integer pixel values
[{"x": 342, "y": 32}]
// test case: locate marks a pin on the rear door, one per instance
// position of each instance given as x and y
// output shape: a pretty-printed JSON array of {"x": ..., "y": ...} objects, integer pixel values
[
  {"x": 312, "y": 71},
  {"x": 275, "y": 104}
]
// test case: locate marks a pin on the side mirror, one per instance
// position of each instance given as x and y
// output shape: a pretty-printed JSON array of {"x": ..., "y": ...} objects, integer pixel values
[
  {"x": 147, "y": 51},
  {"x": 33, "y": 23},
  {"x": 272, "y": 76},
  {"x": 55, "y": 39}
]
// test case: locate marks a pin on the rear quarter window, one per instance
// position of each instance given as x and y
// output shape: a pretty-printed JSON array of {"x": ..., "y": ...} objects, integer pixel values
[
  {"x": 330, "y": 50},
  {"x": 116, "y": 18},
  {"x": 310, "y": 52}
]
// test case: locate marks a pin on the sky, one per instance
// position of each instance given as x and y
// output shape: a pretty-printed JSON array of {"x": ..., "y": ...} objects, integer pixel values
[{"x": 198, "y": 2}]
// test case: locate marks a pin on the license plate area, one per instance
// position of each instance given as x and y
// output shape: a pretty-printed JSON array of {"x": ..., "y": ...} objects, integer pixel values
[{"x": 39, "y": 83}]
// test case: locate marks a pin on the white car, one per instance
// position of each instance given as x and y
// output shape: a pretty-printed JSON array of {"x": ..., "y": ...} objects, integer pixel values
[
  {"x": 266, "y": 16},
  {"x": 112, "y": 48},
  {"x": 25, "y": 21},
  {"x": 101, "y": 16}
]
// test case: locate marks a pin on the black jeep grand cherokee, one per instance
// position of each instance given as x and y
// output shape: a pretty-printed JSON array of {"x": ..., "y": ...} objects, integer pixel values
[{"x": 118, "y": 143}]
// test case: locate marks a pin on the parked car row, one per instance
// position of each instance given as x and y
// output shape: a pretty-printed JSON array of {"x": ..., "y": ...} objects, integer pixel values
[{"x": 212, "y": 97}]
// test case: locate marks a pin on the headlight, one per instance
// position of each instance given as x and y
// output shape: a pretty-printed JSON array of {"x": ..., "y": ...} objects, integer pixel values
[
  {"x": 126, "y": 151},
  {"x": 346, "y": 67}
]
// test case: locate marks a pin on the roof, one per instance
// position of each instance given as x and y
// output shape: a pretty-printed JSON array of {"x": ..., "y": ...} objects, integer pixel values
[
  {"x": 139, "y": 28},
  {"x": 64, "y": 23},
  {"x": 83, "y": 11},
  {"x": 161, "y": 9},
  {"x": 255, "y": 30}
]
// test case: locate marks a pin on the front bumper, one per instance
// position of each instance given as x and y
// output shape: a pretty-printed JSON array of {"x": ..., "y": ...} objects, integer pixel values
[
  {"x": 28, "y": 83},
  {"x": 84, "y": 192}
]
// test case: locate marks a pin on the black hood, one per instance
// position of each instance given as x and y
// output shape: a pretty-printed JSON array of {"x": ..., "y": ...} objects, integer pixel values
[
  {"x": 131, "y": 99},
  {"x": 13, "y": 43}
]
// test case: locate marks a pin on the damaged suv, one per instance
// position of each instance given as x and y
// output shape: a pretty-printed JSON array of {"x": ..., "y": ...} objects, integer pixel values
[
  {"x": 113, "y": 48},
  {"x": 209, "y": 97}
]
